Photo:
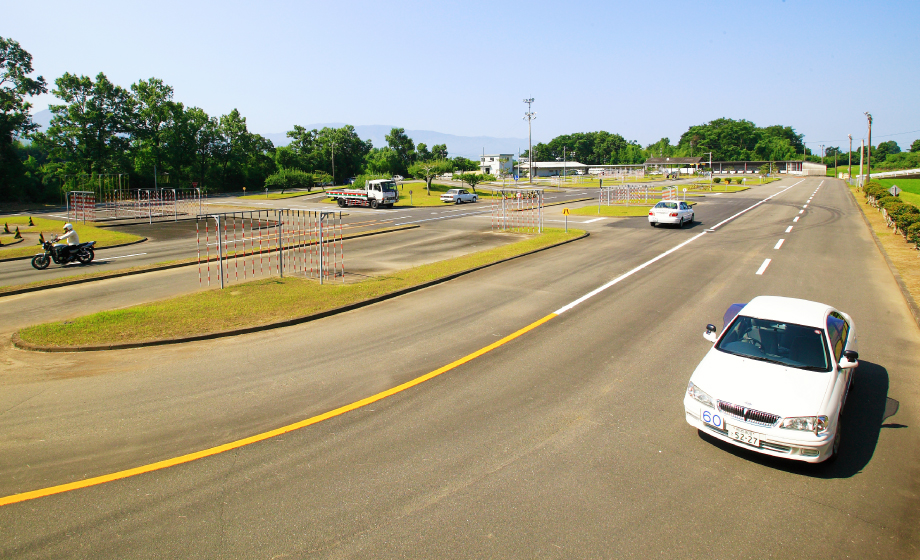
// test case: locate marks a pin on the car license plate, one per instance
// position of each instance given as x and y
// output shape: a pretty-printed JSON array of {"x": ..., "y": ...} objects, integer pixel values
[{"x": 743, "y": 435}]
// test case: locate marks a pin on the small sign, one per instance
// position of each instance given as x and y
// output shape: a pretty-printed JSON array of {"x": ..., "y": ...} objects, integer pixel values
[
  {"x": 685, "y": 189},
  {"x": 894, "y": 190},
  {"x": 565, "y": 212},
  {"x": 194, "y": 185}
]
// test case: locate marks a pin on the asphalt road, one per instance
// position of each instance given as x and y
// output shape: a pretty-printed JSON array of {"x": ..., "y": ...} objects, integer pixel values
[{"x": 569, "y": 441}]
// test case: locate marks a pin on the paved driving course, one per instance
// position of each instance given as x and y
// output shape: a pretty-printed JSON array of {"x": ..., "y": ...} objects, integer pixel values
[{"x": 566, "y": 439}]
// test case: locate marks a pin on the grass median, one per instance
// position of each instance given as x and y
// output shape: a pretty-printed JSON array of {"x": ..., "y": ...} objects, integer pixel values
[
  {"x": 261, "y": 302},
  {"x": 103, "y": 237}
]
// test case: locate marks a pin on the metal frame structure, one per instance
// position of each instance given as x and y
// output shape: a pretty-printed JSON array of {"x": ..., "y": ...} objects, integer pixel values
[
  {"x": 518, "y": 210},
  {"x": 293, "y": 242},
  {"x": 78, "y": 203}
]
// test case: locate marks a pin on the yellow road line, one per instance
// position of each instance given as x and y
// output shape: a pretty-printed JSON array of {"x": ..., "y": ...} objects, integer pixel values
[{"x": 25, "y": 496}]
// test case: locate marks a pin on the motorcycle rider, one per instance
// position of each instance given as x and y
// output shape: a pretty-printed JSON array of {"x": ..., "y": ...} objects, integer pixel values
[{"x": 72, "y": 238}]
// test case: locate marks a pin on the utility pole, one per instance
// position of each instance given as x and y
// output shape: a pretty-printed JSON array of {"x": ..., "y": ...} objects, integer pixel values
[
  {"x": 850, "y": 159},
  {"x": 333, "y": 163},
  {"x": 529, "y": 116},
  {"x": 862, "y": 150},
  {"x": 869, "y": 155}
]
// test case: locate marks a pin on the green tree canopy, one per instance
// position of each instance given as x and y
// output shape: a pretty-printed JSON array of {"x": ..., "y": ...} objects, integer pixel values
[
  {"x": 15, "y": 119},
  {"x": 289, "y": 179},
  {"x": 400, "y": 143}
]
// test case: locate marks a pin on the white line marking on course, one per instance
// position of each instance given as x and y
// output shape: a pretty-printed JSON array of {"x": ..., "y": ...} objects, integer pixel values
[
  {"x": 763, "y": 267},
  {"x": 779, "y": 244},
  {"x": 594, "y": 220},
  {"x": 122, "y": 257},
  {"x": 788, "y": 229},
  {"x": 795, "y": 219}
]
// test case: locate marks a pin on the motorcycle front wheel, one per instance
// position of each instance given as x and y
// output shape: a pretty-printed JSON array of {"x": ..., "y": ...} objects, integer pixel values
[
  {"x": 41, "y": 262},
  {"x": 86, "y": 256}
]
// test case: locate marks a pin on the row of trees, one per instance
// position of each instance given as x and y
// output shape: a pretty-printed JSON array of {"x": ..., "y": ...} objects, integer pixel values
[{"x": 141, "y": 131}]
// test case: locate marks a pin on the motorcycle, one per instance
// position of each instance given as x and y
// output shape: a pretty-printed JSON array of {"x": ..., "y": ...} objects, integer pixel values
[{"x": 83, "y": 253}]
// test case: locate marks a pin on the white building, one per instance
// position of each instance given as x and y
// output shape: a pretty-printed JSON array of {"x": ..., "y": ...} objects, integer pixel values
[
  {"x": 556, "y": 168},
  {"x": 496, "y": 164}
]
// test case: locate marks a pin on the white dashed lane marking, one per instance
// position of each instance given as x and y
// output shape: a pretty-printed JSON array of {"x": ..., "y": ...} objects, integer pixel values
[
  {"x": 763, "y": 267},
  {"x": 779, "y": 244}
]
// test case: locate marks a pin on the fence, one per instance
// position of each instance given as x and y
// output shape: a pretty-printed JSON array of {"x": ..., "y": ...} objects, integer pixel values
[
  {"x": 81, "y": 205},
  {"x": 518, "y": 210},
  {"x": 138, "y": 204},
  {"x": 280, "y": 242},
  {"x": 625, "y": 194}
]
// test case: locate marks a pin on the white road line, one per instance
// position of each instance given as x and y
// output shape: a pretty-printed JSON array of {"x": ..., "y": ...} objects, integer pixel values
[
  {"x": 801, "y": 211},
  {"x": 795, "y": 219},
  {"x": 754, "y": 206},
  {"x": 819, "y": 185},
  {"x": 788, "y": 229},
  {"x": 594, "y": 220},
  {"x": 805, "y": 206},
  {"x": 121, "y": 257},
  {"x": 763, "y": 267},
  {"x": 442, "y": 218},
  {"x": 779, "y": 244}
]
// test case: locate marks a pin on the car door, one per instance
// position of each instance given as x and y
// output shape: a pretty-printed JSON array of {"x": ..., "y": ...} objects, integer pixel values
[{"x": 685, "y": 211}]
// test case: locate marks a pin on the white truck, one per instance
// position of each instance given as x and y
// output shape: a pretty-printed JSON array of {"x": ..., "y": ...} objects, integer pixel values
[{"x": 376, "y": 193}]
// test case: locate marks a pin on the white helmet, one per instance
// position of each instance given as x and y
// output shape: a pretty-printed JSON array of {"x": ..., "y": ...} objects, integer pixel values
[{"x": 68, "y": 227}]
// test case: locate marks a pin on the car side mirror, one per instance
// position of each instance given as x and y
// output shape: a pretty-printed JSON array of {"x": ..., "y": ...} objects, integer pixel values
[
  {"x": 710, "y": 333},
  {"x": 849, "y": 359}
]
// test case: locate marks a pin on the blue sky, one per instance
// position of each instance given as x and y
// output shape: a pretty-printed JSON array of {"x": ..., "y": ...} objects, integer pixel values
[{"x": 644, "y": 69}]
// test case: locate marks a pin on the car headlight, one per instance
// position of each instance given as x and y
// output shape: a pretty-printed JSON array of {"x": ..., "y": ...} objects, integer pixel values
[
  {"x": 699, "y": 395},
  {"x": 816, "y": 424}
]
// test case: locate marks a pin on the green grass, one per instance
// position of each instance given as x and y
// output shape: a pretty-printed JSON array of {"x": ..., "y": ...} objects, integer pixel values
[
  {"x": 103, "y": 237},
  {"x": 259, "y": 302},
  {"x": 274, "y": 196},
  {"x": 910, "y": 189}
]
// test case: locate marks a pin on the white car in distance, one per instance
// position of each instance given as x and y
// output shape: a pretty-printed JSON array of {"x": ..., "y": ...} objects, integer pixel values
[
  {"x": 776, "y": 379},
  {"x": 671, "y": 212},
  {"x": 459, "y": 195}
]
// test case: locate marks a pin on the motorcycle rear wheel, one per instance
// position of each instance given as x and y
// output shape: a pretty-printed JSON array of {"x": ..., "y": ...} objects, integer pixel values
[
  {"x": 86, "y": 256},
  {"x": 41, "y": 262}
]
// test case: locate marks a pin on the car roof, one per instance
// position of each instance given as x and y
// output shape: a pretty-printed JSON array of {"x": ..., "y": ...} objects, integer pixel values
[{"x": 789, "y": 310}]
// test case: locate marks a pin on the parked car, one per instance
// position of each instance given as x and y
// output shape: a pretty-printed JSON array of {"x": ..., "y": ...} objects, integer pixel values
[
  {"x": 671, "y": 212},
  {"x": 350, "y": 181},
  {"x": 776, "y": 379},
  {"x": 397, "y": 177},
  {"x": 459, "y": 195}
]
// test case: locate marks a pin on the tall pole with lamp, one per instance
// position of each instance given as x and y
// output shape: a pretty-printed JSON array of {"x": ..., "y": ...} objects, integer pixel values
[
  {"x": 869, "y": 154},
  {"x": 850, "y": 159},
  {"x": 529, "y": 116}
]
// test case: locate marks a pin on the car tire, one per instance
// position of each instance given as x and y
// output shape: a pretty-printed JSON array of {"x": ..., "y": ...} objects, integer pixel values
[
  {"x": 374, "y": 203},
  {"x": 653, "y": 224},
  {"x": 341, "y": 202},
  {"x": 457, "y": 200}
]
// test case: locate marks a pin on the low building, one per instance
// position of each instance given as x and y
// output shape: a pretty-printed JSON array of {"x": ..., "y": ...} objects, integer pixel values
[
  {"x": 496, "y": 164},
  {"x": 556, "y": 168}
]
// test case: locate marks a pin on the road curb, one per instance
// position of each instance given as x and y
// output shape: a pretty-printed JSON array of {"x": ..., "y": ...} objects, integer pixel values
[
  {"x": 909, "y": 299},
  {"x": 23, "y": 345},
  {"x": 115, "y": 274},
  {"x": 95, "y": 249}
]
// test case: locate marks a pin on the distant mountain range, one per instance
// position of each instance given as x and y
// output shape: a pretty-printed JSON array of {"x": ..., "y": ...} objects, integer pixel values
[{"x": 467, "y": 146}]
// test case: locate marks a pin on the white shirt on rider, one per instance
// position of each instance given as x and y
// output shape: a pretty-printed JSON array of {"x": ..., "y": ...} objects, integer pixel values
[{"x": 71, "y": 237}]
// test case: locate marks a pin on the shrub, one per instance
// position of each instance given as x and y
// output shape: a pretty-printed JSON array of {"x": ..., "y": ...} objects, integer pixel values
[
  {"x": 913, "y": 234},
  {"x": 904, "y": 216},
  {"x": 739, "y": 181},
  {"x": 875, "y": 191},
  {"x": 882, "y": 200},
  {"x": 717, "y": 180}
]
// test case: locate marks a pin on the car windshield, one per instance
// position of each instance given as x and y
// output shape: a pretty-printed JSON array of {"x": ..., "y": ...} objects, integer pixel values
[
  {"x": 774, "y": 341},
  {"x": 388, "y": 186},
  {"x": 670, "y": 205}
]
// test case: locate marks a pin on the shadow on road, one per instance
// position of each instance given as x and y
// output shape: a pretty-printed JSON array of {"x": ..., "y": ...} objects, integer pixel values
[{"x": 866, "y": 409}]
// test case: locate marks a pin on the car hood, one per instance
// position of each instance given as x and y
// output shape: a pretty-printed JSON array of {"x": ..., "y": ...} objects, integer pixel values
[{"x": 763, "y": 386}]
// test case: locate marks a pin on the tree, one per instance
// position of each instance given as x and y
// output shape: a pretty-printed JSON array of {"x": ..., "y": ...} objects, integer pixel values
[
  {"x": 460, "y": 163},
  {"x": 15, "y": 119},
  {"x": 439, "y": 151},
  {"x": 428, "y": 170},
  {"x": 885, "y": 148},
  {"x": 422, "y": 152},
  {"x": 400, "y": 143},
  {"x": 89, "y": 133},
  {"x": 383, "y": 161},
  {"x": 289, "y": 179},
  {"x": 472, "y": 179},
  {"x": 915, "y": 146},
  {"x": 150, "y": 116}
]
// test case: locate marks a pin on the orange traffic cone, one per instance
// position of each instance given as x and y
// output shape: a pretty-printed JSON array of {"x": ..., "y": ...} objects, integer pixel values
[
  {"x": 30, "y": 222},
  {"x": 18, "y": 235}
]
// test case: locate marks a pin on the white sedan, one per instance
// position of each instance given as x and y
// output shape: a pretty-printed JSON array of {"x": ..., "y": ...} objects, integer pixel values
[
  {"x": 776, "y": 378},
  {"x": 671, "y": 212},
  {"x": 459, "y": 195}
]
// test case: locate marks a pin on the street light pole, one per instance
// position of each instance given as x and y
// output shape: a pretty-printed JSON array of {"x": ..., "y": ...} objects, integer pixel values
[
  {"x": 869, "y": 155},
  {"x": 529, "y": 116},
  {"x": 850, "y": 159},
  {"x": 333, "y": 163}
]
